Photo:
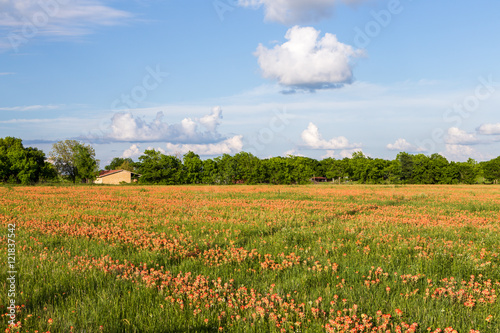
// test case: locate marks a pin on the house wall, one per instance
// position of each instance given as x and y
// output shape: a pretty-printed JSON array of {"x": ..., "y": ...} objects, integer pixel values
[{"x": 116, "y": 178}]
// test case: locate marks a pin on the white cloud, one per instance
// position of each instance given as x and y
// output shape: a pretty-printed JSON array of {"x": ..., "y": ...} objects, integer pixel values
[
  {"x": 30, "y": 108},
  {"x": 198, "y": 135},
  {"x": 343, "y": 154},
  {"x": 212, "y": 120},
  {"x": 314, "y": 140},
  {"x": 308, "y": 62},
  {"x": 296, "y": 11},
  {"x": 27, "y": 121},
  {"x": 458, "y": 152},
  {"x": 348, "y": 152},
  {"x": 292, "y": 152},
  {"x": 329, "y": 154},
  {"x": 489, "y": 129},
  {"x": 457, "y": 136},
  {"x": 403, "y": 145},
  {"x": 126, "y": 127},
  {"x": 6, "y": 73},
  {"x": 229, "y": 146},
  {"x": 161, "y": 150},
  {"x": 22, "y": 20},
  {"x": 133, "y": 151}
]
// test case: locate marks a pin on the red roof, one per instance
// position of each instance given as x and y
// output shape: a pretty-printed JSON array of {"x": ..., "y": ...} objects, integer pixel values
[{"x": 105, "y": 173}]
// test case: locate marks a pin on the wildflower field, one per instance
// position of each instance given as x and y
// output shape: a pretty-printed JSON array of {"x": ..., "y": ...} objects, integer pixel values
[{"x": 319, "y": 258}]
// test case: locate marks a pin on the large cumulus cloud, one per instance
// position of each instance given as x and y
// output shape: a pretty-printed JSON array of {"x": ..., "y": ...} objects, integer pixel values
[
  {"x": 307, "y": 61},
  {"x": 129, "y": 128}
]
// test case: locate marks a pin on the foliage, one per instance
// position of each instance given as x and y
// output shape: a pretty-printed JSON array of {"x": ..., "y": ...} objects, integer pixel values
[
  {"x": 193, "y": 168},
  {"x": 22, "y": 165},
  {"x": 158, "y": 168},
  {"x": 74, "y": 160},
  {"x": 248, "y": 169},
  {"x": 491, "y": 169},
  {"x": 120, "y": 163}
]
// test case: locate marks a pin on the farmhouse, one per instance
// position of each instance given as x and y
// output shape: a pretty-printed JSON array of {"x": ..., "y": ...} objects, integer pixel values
[
  {"x": 319, "y": 179},
  {"x": 116, "y": 177}
]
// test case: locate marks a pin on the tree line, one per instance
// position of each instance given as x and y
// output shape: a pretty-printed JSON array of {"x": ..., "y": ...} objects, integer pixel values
[
  {"x": 74, "y": 161},
  {"x": 69, "y": 160}
]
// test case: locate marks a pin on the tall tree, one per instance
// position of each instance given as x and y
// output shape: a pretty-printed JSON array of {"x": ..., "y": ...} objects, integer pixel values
[
  {"x": 406, "y": 167},
  {"x": 359, "y": 165},
  {"x": 85, "y": 163},
  {"x": 335, "y": 169},
  {"x": 74, "y": 160},
  {"x": 248, "y": 168},
  {"x": 491, "y": 170},
  {"x": 303, "y": 169},
  {"x": 193, "y": 167},
  {"x": 22, "y": 165},
  {"x": 210, "y": 173},
  {"x": 227, "y": 166},
  {"x": 393, "y": 172},
  {"x": 438, "y": 168},
  {"x": 377, "y": 172},
  {"x": 421, "y": 170},
  {"x": 120, "y": 163},
  {"x": 157, "y": 168}
]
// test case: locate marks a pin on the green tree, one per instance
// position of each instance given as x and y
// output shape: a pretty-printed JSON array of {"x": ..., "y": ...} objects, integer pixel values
[
  {"x": 228, "y": 170},
  {"x": 210, "y": 173},
  {"x": 491, "y": 170},
  {"x": 393, "y": 172},
  {"x": 74, "y": 160},
  {"x": 335, "y": 169},
  {"x": 421, "y": 172},
  {"x": 120, "y": 163},
  {"x": 377, "y": 172},
  {"x": 359, "y": 166},
  {"x": 85, "y": 163},
  {"x": 279, "y": 170},
  {"x": 405, "y": 166},
  {"x": 157, "y": 168},
  {"x": 438, "y": 166},
  {"x": 247, "y": 168},
  {"x": 303, "y": 169},
  {"x": 22, "y": 165},
  {"x": 463, "y": 172},
  {"x": 193, "y": 168}
]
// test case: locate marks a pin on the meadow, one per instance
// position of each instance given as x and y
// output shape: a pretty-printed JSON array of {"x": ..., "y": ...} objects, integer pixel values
[{"x": 315, "y": 258}]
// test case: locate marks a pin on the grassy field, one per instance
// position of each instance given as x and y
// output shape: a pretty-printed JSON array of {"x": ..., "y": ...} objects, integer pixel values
[{"x": 318, "y": 258}]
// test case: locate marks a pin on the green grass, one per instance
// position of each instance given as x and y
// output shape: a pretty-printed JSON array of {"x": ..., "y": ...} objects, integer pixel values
[{"x": 356, "y": 249}]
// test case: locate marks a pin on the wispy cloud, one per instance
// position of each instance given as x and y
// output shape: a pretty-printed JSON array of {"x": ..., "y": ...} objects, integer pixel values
[
  {"x": 31, "y": 107},
  {"x": 25, "y": 121},
  {"x": 23, "y": 20}
]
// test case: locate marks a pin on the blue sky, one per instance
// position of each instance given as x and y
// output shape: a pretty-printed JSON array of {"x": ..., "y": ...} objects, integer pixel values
[{"x": 273, "y": 77}]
